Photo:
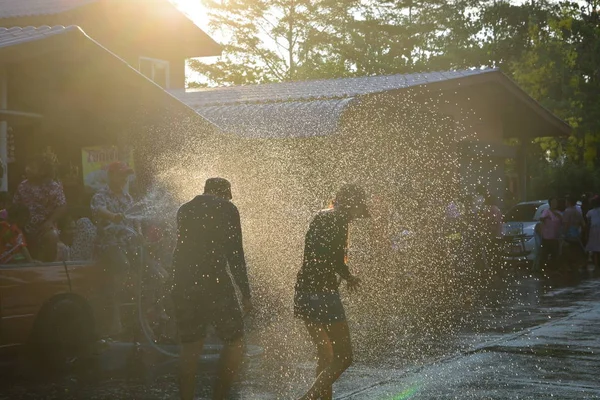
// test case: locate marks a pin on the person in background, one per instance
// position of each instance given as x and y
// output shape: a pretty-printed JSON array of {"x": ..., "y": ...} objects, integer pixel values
[
  {"x": 493, "y": 230},
  {"x": 45, "y": 199},
  {"x": 115, "y": 231},
  {"x": 537, "y": 249},
  {"x": 573, "y": 225},
  {"x": 209, "y": 244},
  {"x": 586, "y": 200},
  {"x": 4, "y": 204},
  {"x": 13, "y": 244},
  {"x": 77, "y": 236},
  {"x": 317, "y": 299},
  {"x": 593, "y": 218},
  {"x": 551, "y": 221},
  {"x": 116, "y": 244}
]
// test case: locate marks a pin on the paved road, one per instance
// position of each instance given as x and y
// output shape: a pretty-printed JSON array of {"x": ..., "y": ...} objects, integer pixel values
[{"x": 525, "y": 339}]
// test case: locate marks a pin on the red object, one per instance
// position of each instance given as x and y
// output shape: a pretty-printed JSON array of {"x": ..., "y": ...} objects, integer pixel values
[
  {"x": 12, "y": 241},
  {"x": 119, "y": 167}
]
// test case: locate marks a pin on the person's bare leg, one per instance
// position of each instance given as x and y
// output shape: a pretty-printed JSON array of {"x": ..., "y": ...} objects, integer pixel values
[
  {"x": 188, "y": 364},
  {"x": 320, "y": 338},
  {"x": 231, "y": 359},
  {"x": 339, "y": 336}
]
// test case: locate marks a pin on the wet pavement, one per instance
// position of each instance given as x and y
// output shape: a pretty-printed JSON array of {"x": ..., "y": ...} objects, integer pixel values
[{"x": 522, "y": 338}]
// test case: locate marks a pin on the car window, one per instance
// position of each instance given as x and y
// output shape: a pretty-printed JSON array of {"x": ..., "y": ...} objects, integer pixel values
[{"x": 523, "y": 213}]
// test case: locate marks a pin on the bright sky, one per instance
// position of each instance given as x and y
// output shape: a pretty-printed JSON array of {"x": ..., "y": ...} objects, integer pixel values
[{"x": 195, "y": 10}]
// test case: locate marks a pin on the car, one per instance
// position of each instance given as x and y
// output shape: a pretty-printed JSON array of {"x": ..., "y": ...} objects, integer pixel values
[
  {"x": 55, "y": 310},
  {"x": 519, "y": 224}
]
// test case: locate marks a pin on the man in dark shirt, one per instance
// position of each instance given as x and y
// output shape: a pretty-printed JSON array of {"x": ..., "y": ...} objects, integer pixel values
[{"x": 209, "y": 241}]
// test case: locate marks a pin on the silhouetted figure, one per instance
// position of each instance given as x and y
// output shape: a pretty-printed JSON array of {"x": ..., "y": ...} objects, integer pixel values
[
  {"x": 573, "y": 225},
  {"x": 317, "y": 300},
  {"x": 209, "y": 240},
  {"x": 593, "y": 218},
  {"x": 551, "y": 220}
]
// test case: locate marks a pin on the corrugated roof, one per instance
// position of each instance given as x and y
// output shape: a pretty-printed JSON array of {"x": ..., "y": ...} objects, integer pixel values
[
  {"x": 313, "y": 108},
  {"x": 17, "y": 35},
  {"x": 24, "y": 8},
  {"x": 278, "y": 120},
  {"x": 318, "y": 89}
]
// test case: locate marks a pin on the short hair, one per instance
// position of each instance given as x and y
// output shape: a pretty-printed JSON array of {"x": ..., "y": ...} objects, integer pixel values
[
  {"x": 550, "y": 199},
  {"x": 218, "y": 187}
]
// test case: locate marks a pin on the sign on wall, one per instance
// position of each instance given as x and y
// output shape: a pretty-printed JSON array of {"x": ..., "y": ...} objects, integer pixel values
[{"x": 95, "y": 161}]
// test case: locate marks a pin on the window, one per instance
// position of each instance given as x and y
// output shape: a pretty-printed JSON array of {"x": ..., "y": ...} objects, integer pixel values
[{"x": 156, "y": 70}]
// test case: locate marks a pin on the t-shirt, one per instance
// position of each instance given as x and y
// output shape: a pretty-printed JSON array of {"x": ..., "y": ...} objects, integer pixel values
[
  {"x": 12, "y": 242},
  {"x": 572, "y": 221},
  {"x": 325, "y": 247},
  {"x": 41, "y": 200},
  {"x": 209, "y": 239},
  {"x": 551, "y": 225},
  {"x": 594, "y": 217}
]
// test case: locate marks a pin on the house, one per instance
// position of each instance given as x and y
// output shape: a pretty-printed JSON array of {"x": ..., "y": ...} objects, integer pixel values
[
  {"x": 77, "y": 73},
  {"x": 153, "y": 36},
  {"x": 486, "y": 103}
]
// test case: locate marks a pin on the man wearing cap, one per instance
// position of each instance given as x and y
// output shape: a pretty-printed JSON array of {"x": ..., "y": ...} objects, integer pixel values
[
  {"x": 317, "y": 300},
  {"x": 109, "y": 206},
  {"x": 115, "y": 235},
  {"x": 209, "y": 242}
]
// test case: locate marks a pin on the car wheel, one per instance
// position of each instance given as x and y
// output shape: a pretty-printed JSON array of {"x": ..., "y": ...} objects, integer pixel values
[{"x": 63, "y": 333}]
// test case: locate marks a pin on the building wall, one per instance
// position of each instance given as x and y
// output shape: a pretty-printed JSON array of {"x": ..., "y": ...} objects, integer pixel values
[{"x": 129, "y": 31}]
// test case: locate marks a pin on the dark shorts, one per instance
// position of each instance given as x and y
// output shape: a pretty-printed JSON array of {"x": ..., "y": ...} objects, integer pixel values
[
  {"x": 324, "y": 308},
  {"x": 195, "y": 314}
]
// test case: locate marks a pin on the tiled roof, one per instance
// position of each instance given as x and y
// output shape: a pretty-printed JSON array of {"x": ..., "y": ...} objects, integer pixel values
[
  {"x": 23, "y": 8},
  {"x": 318, "y": 89},
  {"x": 278, "y": 120},
  {"x": 18, "y": 35}
]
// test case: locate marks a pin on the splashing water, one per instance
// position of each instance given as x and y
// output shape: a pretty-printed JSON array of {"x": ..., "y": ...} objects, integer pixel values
[{"x": 409, "y": 159}]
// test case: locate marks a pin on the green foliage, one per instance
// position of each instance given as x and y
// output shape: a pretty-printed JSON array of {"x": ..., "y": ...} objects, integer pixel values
[{"x": 550, "y": 48}]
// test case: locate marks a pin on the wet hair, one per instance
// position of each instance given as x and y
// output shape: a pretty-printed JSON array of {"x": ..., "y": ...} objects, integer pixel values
[
  {"x": 18, "y": 213},
  {"x": 218, "y": 187}
]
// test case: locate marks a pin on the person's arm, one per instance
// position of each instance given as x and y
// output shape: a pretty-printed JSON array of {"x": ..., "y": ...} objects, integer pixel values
[
  {"x": 101, "y": 212},
  {"x": 59, "y": 201},
  {"x": 235, "y": 253},
  {"x": 338, "y": 251}
]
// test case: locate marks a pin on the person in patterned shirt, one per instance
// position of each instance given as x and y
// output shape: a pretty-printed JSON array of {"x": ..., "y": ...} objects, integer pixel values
[
  {"x": 45, "y": 199},
  {"x": 115, "y": 236}
]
